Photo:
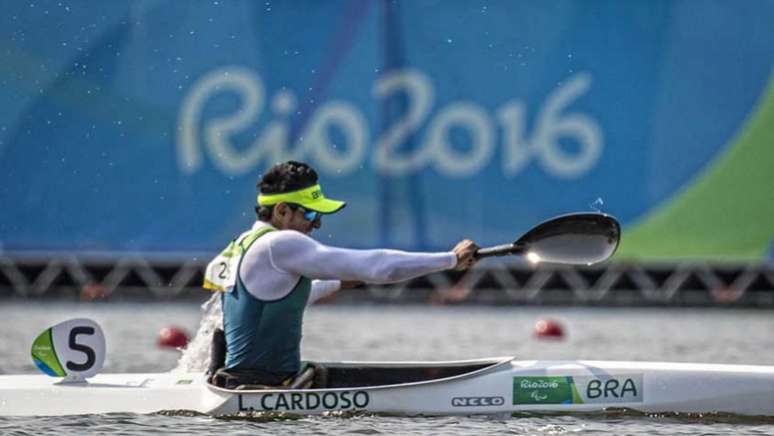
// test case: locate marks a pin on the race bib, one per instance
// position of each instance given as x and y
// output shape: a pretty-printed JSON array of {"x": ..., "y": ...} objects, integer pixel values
[
  {"x": 221, "y": 272},
  {"x": 220, "y": 275}
]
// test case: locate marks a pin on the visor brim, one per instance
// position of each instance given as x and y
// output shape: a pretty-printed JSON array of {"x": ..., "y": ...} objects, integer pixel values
[{"x": 325, "y": 205}]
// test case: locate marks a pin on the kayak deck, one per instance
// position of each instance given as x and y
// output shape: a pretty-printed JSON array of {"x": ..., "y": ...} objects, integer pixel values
[
  {"x": 485, "y": 386},
  {"x": 40, "y": 395}
]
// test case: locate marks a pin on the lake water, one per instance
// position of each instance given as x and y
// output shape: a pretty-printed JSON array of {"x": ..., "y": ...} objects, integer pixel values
[{"x": 335, "y": 332}]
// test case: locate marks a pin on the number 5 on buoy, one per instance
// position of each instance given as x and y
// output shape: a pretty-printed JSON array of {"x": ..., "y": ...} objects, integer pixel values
[{"x": 73, "y": 349}]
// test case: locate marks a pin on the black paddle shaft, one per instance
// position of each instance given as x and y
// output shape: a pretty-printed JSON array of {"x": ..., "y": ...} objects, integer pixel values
[{"x": 501, "y": 250}]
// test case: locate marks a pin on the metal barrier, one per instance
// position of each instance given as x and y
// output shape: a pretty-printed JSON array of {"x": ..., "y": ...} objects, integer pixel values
[{"x": 615, "y": 283}]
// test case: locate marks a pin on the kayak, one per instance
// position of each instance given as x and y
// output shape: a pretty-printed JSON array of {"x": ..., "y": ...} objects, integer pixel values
[{"x": 482, "y": 386}]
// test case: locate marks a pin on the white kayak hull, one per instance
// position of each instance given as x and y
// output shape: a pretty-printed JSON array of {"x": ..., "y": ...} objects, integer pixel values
[{"x": 493, "y": 386}]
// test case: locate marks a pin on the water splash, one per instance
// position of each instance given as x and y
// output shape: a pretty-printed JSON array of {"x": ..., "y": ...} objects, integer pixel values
[
  {"x": 196, "y": 356},
  {"x": 596, "y": 206}
]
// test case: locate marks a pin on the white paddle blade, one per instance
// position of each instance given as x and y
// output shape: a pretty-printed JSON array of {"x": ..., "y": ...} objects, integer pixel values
[{"x": 74, "y": 349}]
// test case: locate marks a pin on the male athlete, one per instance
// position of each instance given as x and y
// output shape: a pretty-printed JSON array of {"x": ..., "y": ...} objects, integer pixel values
[{"x": 270, "y": 273}]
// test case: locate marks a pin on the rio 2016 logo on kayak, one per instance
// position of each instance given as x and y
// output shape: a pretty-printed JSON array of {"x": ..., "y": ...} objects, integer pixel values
[
  {"x": 578, "y": 389},
  {"x": 552, "y": 123},
  {"x": 336, "y": 400}
]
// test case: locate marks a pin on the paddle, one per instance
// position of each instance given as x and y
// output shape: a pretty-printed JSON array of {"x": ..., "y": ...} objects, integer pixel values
[{"x": 574, "y": 239}]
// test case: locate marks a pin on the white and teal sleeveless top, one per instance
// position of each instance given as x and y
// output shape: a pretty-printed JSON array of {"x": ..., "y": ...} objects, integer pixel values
[{"x": 260, "y": 333}]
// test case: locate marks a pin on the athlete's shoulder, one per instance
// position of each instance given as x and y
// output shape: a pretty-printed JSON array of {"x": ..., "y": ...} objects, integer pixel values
[{"x": 283, "y": 236}]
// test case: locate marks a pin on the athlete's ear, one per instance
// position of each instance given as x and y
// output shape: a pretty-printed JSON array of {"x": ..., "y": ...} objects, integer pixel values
[
  {"x": 279, "y": 213},
  {"x": 281, "y": 209}
]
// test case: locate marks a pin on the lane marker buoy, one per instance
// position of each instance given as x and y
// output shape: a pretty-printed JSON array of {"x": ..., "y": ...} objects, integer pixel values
[
  {"x": 548, "y": 329},
  {"x": 172, "y": 337}
]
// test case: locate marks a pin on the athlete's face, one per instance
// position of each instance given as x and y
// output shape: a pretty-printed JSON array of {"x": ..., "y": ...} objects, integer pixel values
[{"x": 291, "y": 217}]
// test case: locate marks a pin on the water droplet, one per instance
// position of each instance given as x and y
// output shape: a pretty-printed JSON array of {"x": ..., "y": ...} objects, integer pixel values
[{"x": 597, "y": 205}]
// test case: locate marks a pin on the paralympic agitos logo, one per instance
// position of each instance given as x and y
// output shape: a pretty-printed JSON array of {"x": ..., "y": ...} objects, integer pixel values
[{"x": 343, "y": 400}]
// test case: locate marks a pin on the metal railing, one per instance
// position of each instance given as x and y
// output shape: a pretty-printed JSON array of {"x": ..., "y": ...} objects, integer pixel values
[{"x": 615, "y": 283}]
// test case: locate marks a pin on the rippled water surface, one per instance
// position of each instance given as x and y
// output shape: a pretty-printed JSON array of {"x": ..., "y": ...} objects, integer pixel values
[{"x": 412, "y": 333}]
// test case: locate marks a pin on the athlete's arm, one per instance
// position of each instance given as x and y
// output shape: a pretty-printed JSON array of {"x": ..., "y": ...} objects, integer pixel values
[
  {"x": 299, "y": 254},
  {"x": 322, "y": 289}
]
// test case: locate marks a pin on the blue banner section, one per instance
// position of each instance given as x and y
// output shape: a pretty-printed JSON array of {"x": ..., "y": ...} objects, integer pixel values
[{"x": 143, "y": 126}]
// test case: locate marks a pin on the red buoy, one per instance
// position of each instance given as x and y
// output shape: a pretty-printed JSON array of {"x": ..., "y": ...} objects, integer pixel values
[
  {"x": 172, "y": 337},
  {"x": 93, "y": 291},
  {"x": 548, "y": 329}
]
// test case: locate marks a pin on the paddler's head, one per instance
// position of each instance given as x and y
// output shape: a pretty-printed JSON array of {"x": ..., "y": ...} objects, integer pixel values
[{"x": 289, "y": 198}]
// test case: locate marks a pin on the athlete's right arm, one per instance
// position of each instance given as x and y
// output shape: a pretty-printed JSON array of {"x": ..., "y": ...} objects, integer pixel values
[{"x": 299, "y": 254}]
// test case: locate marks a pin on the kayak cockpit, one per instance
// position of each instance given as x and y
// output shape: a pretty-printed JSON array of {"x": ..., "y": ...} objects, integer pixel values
[
  {"x": 332, "y": 375},
  {"x": 375, "y": 374}
]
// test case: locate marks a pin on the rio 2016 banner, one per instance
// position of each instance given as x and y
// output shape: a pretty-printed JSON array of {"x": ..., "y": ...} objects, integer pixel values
[{"x": 144, "y": 126}]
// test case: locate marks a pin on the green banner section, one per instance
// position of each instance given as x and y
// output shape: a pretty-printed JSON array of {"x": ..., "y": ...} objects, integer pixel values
[
  {"x": 727, "y": 213},
  {"x": 44, "y": 355},
  {"x": 545, "y": 390}
]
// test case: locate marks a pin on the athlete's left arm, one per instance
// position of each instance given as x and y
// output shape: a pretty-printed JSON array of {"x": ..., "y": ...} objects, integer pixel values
[
  {"x": 322, "y": 289},
  {"x": 325, "y": 288}
]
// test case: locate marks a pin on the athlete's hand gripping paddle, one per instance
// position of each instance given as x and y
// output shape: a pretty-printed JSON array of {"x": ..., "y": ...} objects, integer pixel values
[{"x": 573, "y": 239}]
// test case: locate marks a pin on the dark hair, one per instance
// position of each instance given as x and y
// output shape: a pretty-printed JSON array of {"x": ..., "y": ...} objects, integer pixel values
[{"x": 284, "y": 177}]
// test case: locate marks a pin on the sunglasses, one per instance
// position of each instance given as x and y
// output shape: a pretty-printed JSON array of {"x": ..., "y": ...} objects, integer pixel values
[{"x": 309, "y": 215}]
